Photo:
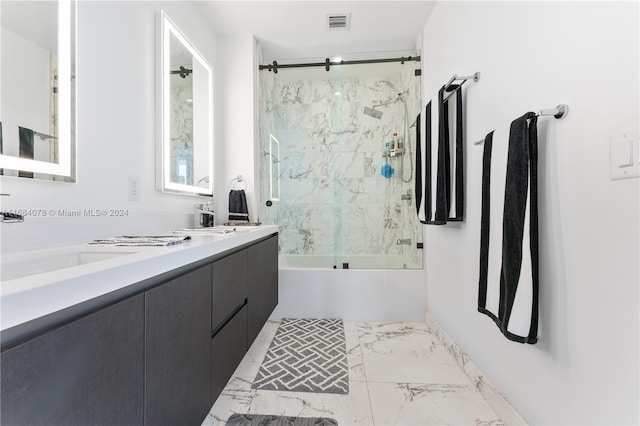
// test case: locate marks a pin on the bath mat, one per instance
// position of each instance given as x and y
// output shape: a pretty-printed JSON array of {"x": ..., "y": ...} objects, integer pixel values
[
  {"x": 306, "y": 355},
  {"x": 260, "y": 420}
]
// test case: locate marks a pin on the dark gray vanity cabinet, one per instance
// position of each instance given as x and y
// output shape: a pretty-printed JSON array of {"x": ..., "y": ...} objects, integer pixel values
[
  {"x": 158, "y": 354},
  {"x": 229, "y": 345},
  {"x": 263, "y": 284},
  {"x": 229, "y": 287},
  {"x": 228, "y": 317},
  {"x": 88, "y": 372},
  {"x": 178, "y": 350}
]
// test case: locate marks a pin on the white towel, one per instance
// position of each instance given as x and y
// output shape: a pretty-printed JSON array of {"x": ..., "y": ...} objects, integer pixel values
[{"x": 151, "y": 240}]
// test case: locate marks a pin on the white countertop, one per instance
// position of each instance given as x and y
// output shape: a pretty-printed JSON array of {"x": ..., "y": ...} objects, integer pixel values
[{"x": 34, "y": 296}]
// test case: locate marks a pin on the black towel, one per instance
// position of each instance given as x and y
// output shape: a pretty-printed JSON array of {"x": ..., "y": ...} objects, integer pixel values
[
  {"x": 27, "y": 148},
  {"x": 444, "y": 193},
  {"x": 517, "y": 308},
  {"x": 485, "y": 221},
  {"x": 238, "y": 209},
  {"x": 423, "y": 180}
]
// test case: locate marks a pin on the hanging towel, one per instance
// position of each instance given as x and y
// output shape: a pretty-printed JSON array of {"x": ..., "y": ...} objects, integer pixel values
[
  {"x": 238, "y": 209},
  {"x": 516, "y": 310},
  {"x": 27, "y": 148},
  {"x": 423, "y": 168},
  {"x": 485, "y": 220},
  {"x": 444, "y": 193}
]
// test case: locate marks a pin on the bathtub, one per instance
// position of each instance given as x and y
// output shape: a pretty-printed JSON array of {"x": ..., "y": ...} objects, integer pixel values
[
  {"x": 309, "y": 287},
  {"x": 355, "y": 262}
]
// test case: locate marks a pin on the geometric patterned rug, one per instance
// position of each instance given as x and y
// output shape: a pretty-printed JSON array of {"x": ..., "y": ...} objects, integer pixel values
[
  {"x": 261, "y": 420},
  {"x": 306, "y": 355}
]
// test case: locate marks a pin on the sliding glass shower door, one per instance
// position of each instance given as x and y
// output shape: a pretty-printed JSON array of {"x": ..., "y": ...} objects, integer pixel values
[{"x": 326, "y": 165}]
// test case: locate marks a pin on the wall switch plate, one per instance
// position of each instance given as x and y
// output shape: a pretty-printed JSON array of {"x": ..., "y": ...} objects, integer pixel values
[
  {"x": 134, "y": 190},
  {"x": 624, "y": 154}
]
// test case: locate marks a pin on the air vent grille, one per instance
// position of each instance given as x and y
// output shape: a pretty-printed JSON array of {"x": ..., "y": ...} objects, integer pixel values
[{"x": 338, "y": 21}]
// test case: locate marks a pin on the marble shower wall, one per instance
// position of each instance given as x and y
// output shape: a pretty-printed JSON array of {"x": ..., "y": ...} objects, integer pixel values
[{"x": 333, "y": 199}]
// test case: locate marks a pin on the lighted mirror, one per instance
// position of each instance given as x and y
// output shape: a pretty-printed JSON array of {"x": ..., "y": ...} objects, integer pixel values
[
  {"x": 37, "y": 89},
  {"x": 185, "y": 83}
]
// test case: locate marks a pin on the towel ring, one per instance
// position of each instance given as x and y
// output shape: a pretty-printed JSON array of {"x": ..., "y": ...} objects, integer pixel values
[{"x": 239, "y": 179}]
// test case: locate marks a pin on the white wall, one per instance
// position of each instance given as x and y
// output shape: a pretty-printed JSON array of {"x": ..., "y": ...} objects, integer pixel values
[
  {"x": 237, "y": 70},
  {"x": 535, "y": 55},
  {"x": 116, "y": 131}
]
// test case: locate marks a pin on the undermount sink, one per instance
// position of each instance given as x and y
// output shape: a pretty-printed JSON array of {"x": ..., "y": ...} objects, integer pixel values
[{"x": 22, "y": 265}]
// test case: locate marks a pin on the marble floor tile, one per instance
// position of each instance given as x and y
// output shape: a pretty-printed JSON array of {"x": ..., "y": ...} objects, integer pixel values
[
  {"x": 251, "y": 362},
  {"x": 408, "y": 353},
  {"x": 236, "y": 397},
  {"x": 399, "y": 374},
  {"x": 354, "y": 357},
  {"x": 350, "y": 326},
  {"x": 429, "y": 404}
]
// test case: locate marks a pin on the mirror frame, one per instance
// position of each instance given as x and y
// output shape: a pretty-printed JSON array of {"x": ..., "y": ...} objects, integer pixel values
[
  {"x": 166, "y": 29},
  {"x": 65, "y": 72}
]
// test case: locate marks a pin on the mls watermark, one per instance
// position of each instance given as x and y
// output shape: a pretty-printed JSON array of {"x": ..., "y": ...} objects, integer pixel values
[{"x": 71, "y": 212}]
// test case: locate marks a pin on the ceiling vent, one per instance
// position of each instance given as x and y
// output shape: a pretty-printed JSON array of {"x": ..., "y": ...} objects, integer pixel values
[{"x": 338, "y": 21}]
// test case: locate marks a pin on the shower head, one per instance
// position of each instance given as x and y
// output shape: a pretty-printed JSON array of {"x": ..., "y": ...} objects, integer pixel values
[{"x": 372, "y": 112}]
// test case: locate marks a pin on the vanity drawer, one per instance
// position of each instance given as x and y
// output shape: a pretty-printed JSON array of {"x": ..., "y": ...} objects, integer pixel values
[
  {"x": 229, "y": 345},
  {"x": 229, "y": 286}
]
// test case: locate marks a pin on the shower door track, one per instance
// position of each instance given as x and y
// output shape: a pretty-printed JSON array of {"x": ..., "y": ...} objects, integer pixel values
[{"x": 327, "y": 64}]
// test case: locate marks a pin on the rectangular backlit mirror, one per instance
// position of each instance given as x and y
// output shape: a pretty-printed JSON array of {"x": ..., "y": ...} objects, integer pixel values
[
  {"x": 185, "y": 114},
  {"x": 37, "y": 89}
]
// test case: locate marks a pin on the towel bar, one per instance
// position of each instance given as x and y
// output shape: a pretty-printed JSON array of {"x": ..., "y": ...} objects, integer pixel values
[{"x": 558, "y": 112}]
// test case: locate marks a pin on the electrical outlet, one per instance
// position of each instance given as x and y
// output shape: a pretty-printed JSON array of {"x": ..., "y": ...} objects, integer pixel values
[{"x": 134, "y": 190}]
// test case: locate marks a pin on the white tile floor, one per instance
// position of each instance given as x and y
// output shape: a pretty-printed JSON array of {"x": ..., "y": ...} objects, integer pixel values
[{"x": 400, "y": 374}]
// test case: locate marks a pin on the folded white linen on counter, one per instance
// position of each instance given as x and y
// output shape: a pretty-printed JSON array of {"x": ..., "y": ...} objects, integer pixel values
[
  {"x": 210, "y": 230},
  {"x": 143, "y": 240}
]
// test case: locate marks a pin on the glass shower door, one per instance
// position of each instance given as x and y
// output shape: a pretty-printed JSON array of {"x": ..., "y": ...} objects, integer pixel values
[{"x": 321, "y": 162}]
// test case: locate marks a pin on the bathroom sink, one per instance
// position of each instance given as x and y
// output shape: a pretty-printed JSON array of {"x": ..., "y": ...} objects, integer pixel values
[{"x": 21, "y": 265}]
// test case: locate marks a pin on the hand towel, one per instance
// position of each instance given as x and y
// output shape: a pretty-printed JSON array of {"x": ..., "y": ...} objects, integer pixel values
[{"x": 238, "y": 209}]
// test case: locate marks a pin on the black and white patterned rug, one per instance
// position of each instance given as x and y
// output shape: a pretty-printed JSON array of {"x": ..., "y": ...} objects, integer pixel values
[
  {"x": 260, "y": 420},
  {"x": 306, "y": 355}
]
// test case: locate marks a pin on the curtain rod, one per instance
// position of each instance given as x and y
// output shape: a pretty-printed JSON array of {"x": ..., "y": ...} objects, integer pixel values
[{"x": 327, "y": 64}]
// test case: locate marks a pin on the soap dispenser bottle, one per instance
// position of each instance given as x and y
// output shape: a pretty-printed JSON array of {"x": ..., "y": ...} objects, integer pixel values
[{"x": 395, "y": 144}]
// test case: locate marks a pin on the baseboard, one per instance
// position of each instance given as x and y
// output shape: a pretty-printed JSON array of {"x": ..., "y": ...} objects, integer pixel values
[{"x": 488, "y": 391}]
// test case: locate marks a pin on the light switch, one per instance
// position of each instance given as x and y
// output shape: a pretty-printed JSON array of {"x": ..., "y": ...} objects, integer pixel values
[
  {"x": 624, "y": 162},
  {"x": 624, "y": 153}
]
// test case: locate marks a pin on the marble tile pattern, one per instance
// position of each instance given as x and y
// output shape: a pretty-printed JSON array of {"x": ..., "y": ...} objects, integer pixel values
[
  {"x": 333, "y": 199},
  {"x": 489, "y": 392},
  {"x": 399, "y": 374}
]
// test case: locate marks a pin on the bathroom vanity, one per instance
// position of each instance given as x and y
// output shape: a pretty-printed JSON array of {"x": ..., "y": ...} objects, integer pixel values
[{"x": 152, "y": 348}]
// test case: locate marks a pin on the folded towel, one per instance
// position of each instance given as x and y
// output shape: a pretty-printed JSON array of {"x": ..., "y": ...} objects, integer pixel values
[
  {"x": 195, "y": 231},
  {"x": 151, "y": 240}
]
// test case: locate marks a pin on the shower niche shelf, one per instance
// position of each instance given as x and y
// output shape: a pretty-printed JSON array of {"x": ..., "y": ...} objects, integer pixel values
[{"x": 393, "y": 153}]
